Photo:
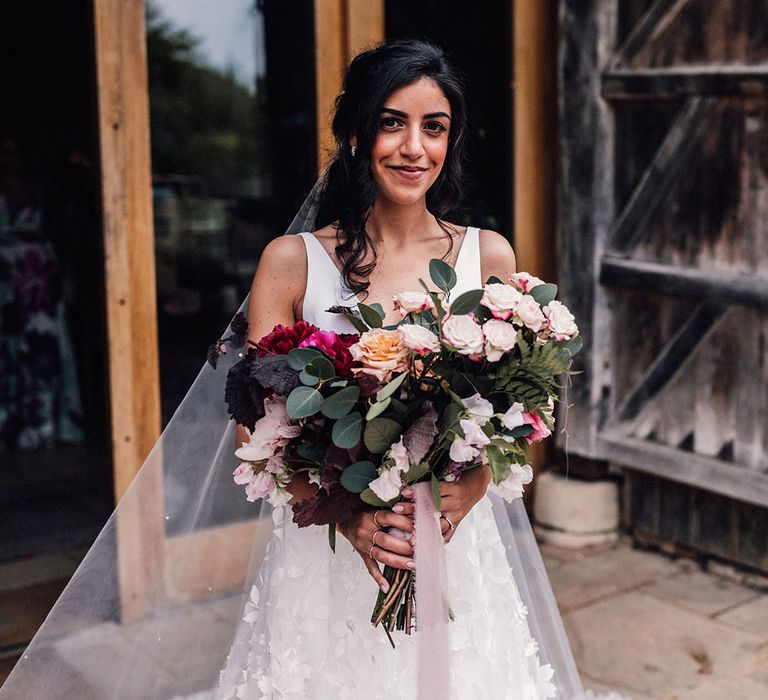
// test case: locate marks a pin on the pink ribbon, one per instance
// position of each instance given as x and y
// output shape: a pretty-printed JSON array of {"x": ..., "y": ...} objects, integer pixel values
[{"x": 431, "y": 599}]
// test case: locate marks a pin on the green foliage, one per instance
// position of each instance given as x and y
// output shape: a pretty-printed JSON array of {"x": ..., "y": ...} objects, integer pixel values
[
  {"x": 377, "y": 408},
  {"x": 380, "y": 433},
  {"x": 442, "y": 274},
  {"x": 467, "y": 302},
  {"x": 436, "y": 492},
  {"x": 299, "y": 358},
  {"x": 340, "y": 403},
  {"x": 371, "y": 315},
  {"x": 303, "y": 401},
  {"x": 346, "y": 431},
  {"x": 356, "y": 477},
  {"x": 416, "y": 471},
  {"x": 390, "y": 388},
  {"x": 498, "y": 462},
  {"x": 544, "y": 293},
  {"x": 372, "y": 499}
]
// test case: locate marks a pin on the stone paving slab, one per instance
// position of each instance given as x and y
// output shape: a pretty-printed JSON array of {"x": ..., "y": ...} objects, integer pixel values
[
  {"x": 579, "y": 582},
  {"x": 651, "y": 647},
  {"x": 751, "y": 616},
  {"x": 702, "y": 593}
]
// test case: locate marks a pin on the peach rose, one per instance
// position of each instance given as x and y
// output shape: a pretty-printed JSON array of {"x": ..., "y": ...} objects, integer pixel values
[{"x": 381, "y": 352}]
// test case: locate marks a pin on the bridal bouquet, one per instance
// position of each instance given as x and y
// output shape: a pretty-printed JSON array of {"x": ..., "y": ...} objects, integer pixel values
[{"x": 456, "y": 383}]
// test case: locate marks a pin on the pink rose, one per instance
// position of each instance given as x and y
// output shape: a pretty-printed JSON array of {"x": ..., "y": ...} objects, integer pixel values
[
  {"x": 501, "y": 300},
  {"x": 530, "y": 314},
  {"x": 500, "y": 337},
  {"x": 463, "y": 334},
  {"x": 412, "y": 302},
  {"x": 524, "y": 281},
  {"x": 419, "y": 339},
  {"x": 560, "y": 321}
]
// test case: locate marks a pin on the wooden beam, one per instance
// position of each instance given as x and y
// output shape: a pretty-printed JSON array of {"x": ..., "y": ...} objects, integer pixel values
[
  {"x": 342, "y": 29},
  {"x": 684, "y": 281},
  {"x": 715, "y": 475},
  {"x": 642, "y": 83},
  {"x": 126, "y": 186},
  {"x": 670, "y": 160},
  {"x": 534, "y": 104},
  {"x": 671, "y": 358}
]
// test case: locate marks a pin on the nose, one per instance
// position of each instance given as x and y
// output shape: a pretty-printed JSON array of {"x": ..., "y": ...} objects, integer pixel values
[{"x": 412, "y": 146}]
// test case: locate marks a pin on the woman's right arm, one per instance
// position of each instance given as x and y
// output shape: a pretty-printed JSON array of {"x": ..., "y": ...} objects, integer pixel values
[{"x": 277, "y": 292}]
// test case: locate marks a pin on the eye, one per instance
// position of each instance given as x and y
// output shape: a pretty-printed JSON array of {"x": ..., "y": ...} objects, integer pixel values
[
  {"x": 389, "y": 122},
  {"x": 436, "y": 127}
]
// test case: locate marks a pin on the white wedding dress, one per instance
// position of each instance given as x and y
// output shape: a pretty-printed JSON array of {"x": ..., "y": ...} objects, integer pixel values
[{"x": 306, "y": 631}]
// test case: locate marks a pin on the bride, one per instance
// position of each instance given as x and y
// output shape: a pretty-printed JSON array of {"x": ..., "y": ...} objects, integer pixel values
[{"x": 168, "y": 616}]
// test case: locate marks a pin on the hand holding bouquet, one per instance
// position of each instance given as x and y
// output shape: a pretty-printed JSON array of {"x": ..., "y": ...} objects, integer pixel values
[{"x": 455, "y": 384}]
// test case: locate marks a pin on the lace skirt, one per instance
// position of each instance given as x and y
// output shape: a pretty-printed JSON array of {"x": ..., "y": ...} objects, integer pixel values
[{"x": 306, "y": 631}]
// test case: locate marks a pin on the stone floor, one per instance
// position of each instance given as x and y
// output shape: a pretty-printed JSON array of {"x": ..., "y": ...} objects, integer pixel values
[
  {"x": 652, "y": 627},
  {"x": 639, "y": 622}
]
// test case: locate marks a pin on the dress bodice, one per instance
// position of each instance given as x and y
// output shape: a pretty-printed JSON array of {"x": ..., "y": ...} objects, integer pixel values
[{"x": 326, "y": 286}]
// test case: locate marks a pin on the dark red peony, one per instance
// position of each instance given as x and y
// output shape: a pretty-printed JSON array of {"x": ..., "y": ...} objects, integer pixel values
[{"x": 283, "y": 339}]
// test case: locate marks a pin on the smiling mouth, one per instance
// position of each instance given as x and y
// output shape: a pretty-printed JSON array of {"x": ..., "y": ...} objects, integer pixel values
[{"x": 407, "y": 168}]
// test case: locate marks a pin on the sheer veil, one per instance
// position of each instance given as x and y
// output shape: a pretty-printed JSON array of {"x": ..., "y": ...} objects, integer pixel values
[{"x": 154, "y": 607}]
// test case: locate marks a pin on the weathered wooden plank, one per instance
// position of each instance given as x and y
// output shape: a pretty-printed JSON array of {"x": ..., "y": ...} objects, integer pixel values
[
  {"x": 641, "y": 83},
  {"x": 686, "y": 467},
  {"x": 649, "y": 27},
  {"x": 669, "y": 162},
  {"x": 691, "y": 333},
  {"x": 123, "y": 117},
  {"x": 684, "y": 281}
]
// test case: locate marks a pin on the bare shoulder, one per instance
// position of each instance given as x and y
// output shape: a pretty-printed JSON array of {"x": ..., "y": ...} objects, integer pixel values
[
  {"x": 497, "y": 258},
  {"x": 283, "y": 251}
]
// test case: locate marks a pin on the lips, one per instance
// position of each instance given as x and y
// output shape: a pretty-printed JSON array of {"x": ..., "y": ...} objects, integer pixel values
[{"x": 408, "y": 172}]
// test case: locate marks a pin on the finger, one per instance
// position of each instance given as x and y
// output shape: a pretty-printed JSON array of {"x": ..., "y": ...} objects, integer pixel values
[
  {"x": 404, "y": 508},
  {"x": 402, "y": 522},
  {"x": 375, "y": 572},
  {"x": 392, "y": 559},
  {"x": 394, "y": 544}
]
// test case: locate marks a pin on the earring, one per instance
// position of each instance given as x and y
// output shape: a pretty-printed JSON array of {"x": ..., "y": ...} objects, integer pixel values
[{"x": 353, "y": 149}]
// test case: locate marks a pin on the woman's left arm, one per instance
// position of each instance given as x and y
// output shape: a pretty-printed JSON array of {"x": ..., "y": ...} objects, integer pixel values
[{"x": 459, "y": 497}]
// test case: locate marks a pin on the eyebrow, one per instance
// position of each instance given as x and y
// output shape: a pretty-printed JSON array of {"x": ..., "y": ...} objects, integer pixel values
[{"x": 398, "y": 113}]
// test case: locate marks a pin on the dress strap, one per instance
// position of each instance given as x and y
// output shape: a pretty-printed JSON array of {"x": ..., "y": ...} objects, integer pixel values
[{"x": 468, "y": 271}]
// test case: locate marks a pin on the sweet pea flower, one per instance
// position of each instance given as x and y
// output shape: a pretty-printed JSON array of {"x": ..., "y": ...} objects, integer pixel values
[
  {"x": 387, "y": 485},
  {"x": 419, "y": 339},
  {"x": 513, "y": 417},
  {"x": 524, "y": 281},
  {"x": 479, "y": 410},
  {"x": 540, "y": 429},
  {"x": 464, "y": 334},
  {"x": 270, "y": 434},
  {"x": 512, "y": 486},
  {"x": 244, "y": 473},
  {"x": 467, "y": 448},
  {"x": 501, "y": 299},
  {"x": 260, "y": 486},
  {"x": 500, "y": 338}
]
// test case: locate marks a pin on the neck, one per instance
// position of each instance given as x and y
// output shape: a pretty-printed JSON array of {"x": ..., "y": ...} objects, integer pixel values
[{"x": 398, "y": 223}]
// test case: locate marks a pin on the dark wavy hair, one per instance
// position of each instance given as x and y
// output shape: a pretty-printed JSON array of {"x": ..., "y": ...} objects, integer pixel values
[{"x": 349, "y": 189}]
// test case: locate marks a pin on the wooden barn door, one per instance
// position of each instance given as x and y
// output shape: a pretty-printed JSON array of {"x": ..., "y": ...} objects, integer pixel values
[{"x": 663, "y": 245}]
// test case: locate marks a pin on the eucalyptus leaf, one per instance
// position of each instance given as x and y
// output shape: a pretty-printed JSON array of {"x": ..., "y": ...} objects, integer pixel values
[
  {"x": 391, "y": 387},
  {"x": 340, "y": 403},
  {"x": 378, "y": 308},
  {"x": 544, "y": 293},
  {"x": 346, "y": 431},
  {"x": 498, "y": 462},
  {"x": 436, "y": 492},
  {"x": 299, "y": 358},
  {"x": 451, "y": 414},
  {"x": 321, "y": 367},
  {"x": 308, "y": 379},
  {"x": 416, "y": 471},
  {"x": 466, "y": 302},
  {"x": 493, "y": 280},
  {"x": 372, "y": 499},
  {"x": 380, "y": 433},
  {"x": 370, "y": 315},
  {"x": 574, "y": 345},
  {"x": 360, "y": 327},
  {"x": 312, "y": 451},
  {"x": 303, "y": 401},
  {"x": 356, "y": 477},
  {"x": 377, "y": 408},
  {"x": 442, "y": 274}
]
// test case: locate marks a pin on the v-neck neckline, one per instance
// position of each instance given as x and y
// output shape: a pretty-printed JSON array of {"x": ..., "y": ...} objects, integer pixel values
[{"x": 340, "y": 275}]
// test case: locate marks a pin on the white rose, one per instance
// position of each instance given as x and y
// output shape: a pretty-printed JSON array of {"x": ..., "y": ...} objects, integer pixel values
[
  {"x": 500, "y": 337},
  {"x": 512, "y": 487},
  {"x": 501, "y": 300},
  {"x": 412, "y": 302},
  {"x": 560, "y": 321},
  {"x": 463, "y": 334},
  {"x": 419, "y": 339},
  {"x": 530, "y": 314},
  {"x": 525, "y": 281}
]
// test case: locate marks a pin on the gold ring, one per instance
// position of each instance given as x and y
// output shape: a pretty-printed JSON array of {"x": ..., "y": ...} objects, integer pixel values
[
  {"x": 375, "y": 513},
  {"x": 371, "y": 550},
  {"x": 373, "y": 537},
  {"x": 448, "y": 520}
]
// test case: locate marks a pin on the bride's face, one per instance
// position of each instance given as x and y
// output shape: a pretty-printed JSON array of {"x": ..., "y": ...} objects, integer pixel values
[{"x": 411, "y": 143}]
